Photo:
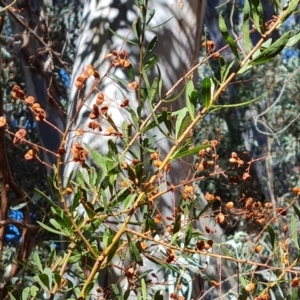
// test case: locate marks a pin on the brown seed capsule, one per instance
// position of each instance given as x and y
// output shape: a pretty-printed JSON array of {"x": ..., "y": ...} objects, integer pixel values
[
  {"x": 229, "y": 205},
  {"x": 220, "y": 218},
  {"x": 29, "y": 100},
  {"x": 214, "y": 283},
  {"x": 295, "y": 282},
  {"x": 250, "y": 287},
  {"x": 282, "y": 211},
  {"x": 2, "y": 121},
  {"x": 258, "y": 249}
]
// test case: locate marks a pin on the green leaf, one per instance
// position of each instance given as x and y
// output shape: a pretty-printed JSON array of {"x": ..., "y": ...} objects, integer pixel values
[
  {"x": 137, "y": 29},
  {"x": 26, "y": 293},
  {"x": 188, "y": 234},
  {"x": 151, "y": 15},
  {"x": 246, "y": 30},
  {"x": 239, "y": 104},
  {"x": 135, "y": 253},
  {"x": 37, "y": 261},
  {"x": 43, "y": 281},
  {"x": 88, "y": 289},
  {"x": 50, "y": 229},
  {"x": 48, "y": 272},
  {"x": 158, "y": 296},
  {"x": 179, "y": 121},
  {"x": 272, "y": 51},
  {"x": 295, "y": 293},
  {"x": 177, "y": 223},
  {"x": 167, "y": 120},
  {"x": 258, "y": 15},
  {"x": 292, "y": 6},
  {"x": 122, "y": 38},
  {"x": 294, "y": 230},
  {"x": 130, "y": 73},
  {"x": 272, "y": 236},
  {"x": 206, "y": 92},
  {"x": 144, "y": 290},
  {"x": 188, "y": 91},
  {"x": 180, "y": 153},
  {"x": 18, "y": 206},
  {"x": 117, "y": 292},
  {"x": 151, "y": 62},
  {"x": 152, "y": 45},
  {"x": 297, "y": 211},
  {"x": 227, "y": 37},
  {"x": 293, "y": 40},
  {"x": 206, "y": 207},
  {"x": 129, "y": 200},
  {"x": 153, "y": 90}
]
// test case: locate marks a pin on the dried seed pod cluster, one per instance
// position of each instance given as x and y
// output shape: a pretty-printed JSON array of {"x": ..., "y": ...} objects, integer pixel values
[
  {"x": 79, "y": 153},
  {"x": 208, "y": 156},
  {"x": 119, "y": 59},
  {"x": 85, "y": 74},
  {"x": 188, "y": 193},
  {"x": 18, "y": 93}
]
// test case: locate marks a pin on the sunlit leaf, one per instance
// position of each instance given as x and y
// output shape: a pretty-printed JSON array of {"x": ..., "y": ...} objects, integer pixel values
[
  {"x": 246, "y": 17},
  {"x": 206, "y": 92},
  {"x": 294, "y": 230},
  {"x": 227, "y": 37},
  {"x": 272, "y": 51}
]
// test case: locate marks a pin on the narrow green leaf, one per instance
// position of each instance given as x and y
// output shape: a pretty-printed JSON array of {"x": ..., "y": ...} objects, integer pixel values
[
  {"x": 180, "y": 153},
  {"x": 18, "y": 206},
  {"x": 240, "y": 104},
  {"x": 206, "y": 207},
  {"x": 295, "y": 293},
  {"x": 228, "y": 69},
  {"x": 158, "y": 296},
  {"x": 206, "y": 92},
  {"x": 26, "y": 293},
  {"x": 122, "y": 38},
  {"x": 88, "y": 289},
  {"x": 293, "y": 40},
  {"x": 272, "y": 235},
  {"x": 50, "y": 229},
  {"x": 297, "y": 211},
  {"x": 153, "y": 90},
  {"x": 294, "y": 230},
  {"x": 130, "y": 73},
  {"x": 129, "y": 200},
  {"x": 246, "y": 30},
  {"x": 134, "y": 118},
  {"x": 144, "y": 290},
  {"x": 37, "y": 261},
  {"x": 151, "y": 15},
  {"x": 292, "y": 6},
  {"x": 167, "y": 121},
  {"x": 188, "y": 234},
  {"x": 152, "y": 45},
  {"x": 137, "y": 29},
  {"x": 181, "y": 115},
  {"x": 258, "y": 15},
  {"x": 177, "y": 223},
  {"x": 227, "y": 37},
  {"x": 46, "y": 198},
  {"x": 272, "y": 51},
  {"x": 48, "y": 272},
  {"x": 152, "y": 61},
  {"x": 134, "y": 251},
  {"x": 188, "y": 91}
]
